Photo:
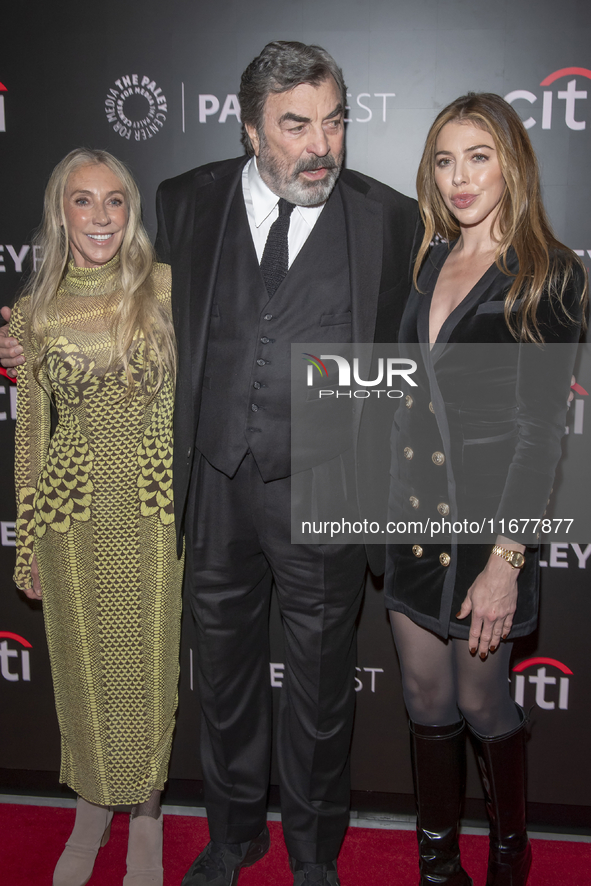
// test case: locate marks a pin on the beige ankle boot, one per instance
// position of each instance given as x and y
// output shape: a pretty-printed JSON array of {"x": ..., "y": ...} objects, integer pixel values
[
  {"x": 144, "y": 852},
  {"x": 92, "y": 829}
]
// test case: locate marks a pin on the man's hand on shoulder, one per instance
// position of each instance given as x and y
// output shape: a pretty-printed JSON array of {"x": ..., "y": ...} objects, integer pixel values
[{"x": 11, "y": 353}]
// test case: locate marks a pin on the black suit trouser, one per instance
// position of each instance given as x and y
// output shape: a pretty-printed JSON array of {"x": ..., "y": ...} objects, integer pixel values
[{"x": 238, "y": 543}]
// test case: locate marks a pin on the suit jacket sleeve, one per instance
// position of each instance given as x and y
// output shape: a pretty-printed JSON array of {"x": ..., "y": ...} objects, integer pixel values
[
  {"x": 543, "y": 383},
  {"x": 162, "y": 244}
]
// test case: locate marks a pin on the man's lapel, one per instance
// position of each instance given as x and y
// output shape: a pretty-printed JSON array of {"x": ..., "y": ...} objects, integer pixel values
[
  {"x": 363, "y": 220},
  {"x": 364, "y": 225},
  {"x": 213, "y": 201}
]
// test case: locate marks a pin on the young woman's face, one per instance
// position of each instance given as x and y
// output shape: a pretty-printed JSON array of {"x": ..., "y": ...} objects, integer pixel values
[
  {"x": 96, "y": 212},
  {"x": 468, "y": 174}
]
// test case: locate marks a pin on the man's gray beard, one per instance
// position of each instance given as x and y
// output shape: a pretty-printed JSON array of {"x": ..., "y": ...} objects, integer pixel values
[{"x": 286, "y": 184}]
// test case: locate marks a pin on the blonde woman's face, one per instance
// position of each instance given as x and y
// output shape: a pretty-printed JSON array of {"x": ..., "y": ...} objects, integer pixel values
[
  {"x": 96, "y": 213},
  {"x": 468, "y": 174}
]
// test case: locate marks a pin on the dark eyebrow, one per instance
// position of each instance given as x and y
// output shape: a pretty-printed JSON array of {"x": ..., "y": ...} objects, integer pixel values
[
  {"x": 467, "y": 151},
  {"x": 295, "y": 118},
  {"x": 338, "y": 110}
]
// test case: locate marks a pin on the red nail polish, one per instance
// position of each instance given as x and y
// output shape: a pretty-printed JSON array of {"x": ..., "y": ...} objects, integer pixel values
[
  {"x": 483, "y": 656},
  {"x": 493, "y": 649},
  {"x": 472, "y": 651}
]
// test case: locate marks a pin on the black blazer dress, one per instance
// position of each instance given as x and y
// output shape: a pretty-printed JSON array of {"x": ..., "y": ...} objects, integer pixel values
[{"x": 479, "y": 437}]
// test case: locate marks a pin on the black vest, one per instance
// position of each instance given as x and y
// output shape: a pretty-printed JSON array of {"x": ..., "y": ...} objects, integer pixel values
[{"x": 246, "y": 401}]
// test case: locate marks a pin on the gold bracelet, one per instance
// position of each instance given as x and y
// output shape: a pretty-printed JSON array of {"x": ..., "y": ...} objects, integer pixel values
[{"x": 514, "y": 558}]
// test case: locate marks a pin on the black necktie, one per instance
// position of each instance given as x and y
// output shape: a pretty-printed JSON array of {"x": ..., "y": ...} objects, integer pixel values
[{"x": 275, "y": 260}]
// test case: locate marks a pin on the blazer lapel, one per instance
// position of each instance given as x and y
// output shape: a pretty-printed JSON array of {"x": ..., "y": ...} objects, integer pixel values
[
  {"x": 363, "y": 221},
  {"x": 364, "y": 231},
  {"x": 212, "y": 207},
  {"x": 458, "y": 314},
  {"x": 428, "y": 283}
]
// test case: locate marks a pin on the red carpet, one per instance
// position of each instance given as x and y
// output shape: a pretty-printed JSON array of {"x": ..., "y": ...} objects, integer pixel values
[{"x": 32, "y": 838}]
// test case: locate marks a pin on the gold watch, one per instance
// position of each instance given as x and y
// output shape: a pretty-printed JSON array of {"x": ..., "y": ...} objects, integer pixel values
[{"x": 514, "y": 558}]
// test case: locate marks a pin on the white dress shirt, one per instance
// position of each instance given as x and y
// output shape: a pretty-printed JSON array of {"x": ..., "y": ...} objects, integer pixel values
[{"x": 261, "y": 209}]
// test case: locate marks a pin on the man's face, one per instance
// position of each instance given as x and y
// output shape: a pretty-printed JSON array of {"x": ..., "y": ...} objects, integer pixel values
[{"x": 301, "y": 148}]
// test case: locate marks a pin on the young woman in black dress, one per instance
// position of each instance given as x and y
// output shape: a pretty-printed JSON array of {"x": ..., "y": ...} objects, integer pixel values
[{"x": 498, "y": 275}]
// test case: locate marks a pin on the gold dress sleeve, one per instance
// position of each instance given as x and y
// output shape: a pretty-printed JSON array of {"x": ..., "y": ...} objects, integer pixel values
[{"x": 31, "y": 442}]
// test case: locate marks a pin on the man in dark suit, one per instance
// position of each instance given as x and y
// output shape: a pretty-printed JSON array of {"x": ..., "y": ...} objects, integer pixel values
[
  {"x": 350, "y": 248},
  {"x": 280, "y": 246}
]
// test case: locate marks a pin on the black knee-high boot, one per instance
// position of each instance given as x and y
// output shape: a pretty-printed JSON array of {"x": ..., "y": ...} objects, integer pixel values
[
  {"x": 501, "y": 760},
  {"x": 438, "y": 762}
]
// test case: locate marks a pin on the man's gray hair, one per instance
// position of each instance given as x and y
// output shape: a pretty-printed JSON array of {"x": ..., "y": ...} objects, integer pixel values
[{"x": 281, "y": 66}]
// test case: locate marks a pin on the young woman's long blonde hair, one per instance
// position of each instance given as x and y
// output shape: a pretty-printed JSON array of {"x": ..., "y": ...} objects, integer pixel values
[
  {"x": 138, "y": 315},
  {"x": 545, "y": 264}
]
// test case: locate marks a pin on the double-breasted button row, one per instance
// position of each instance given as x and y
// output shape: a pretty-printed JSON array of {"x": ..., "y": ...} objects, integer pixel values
[
  {"x": 437, "y": 458},
  {"x": 444, "y": 558},
  {"x": 408, "y": 402},
  {"x": 442, "y": 507}
]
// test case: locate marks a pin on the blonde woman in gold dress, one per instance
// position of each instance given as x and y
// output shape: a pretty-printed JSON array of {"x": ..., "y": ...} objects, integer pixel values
[{"x": 95, "y": 530}]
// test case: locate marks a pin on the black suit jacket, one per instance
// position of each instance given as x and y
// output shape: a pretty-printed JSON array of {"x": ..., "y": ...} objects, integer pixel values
[{"x": 382, "y": 230}]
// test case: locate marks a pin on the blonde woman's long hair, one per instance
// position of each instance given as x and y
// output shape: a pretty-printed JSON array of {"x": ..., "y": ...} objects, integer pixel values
[
  {"x": 138, "y": 316},
  {"x": 545, "y": 264}
]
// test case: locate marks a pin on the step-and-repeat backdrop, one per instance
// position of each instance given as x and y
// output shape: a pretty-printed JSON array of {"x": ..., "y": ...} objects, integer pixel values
[{"x": 155, "y": 83}]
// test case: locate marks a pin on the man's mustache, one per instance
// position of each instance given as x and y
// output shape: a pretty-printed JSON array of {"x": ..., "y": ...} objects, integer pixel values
[{"x": 308, "y": 165}]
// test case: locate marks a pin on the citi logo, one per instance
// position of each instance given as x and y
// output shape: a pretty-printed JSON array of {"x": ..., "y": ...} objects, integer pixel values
[
  {"x": 7, "y": 399},
  {"x": 570, "y": 95},
  {"x": 578, "y": 409},
  {"x": 2, "y": 114},
  {"x": 12, "y": 670},
  {"x": 542, "y": 681}
]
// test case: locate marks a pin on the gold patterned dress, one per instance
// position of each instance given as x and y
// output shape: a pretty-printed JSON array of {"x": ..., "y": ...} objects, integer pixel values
[{"x": 95, "y": 507}]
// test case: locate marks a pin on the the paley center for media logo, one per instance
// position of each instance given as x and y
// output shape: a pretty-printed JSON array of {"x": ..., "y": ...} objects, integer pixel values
[
  {"x": 136, "y": 107},
  {"x": 388, "y": 372}
]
